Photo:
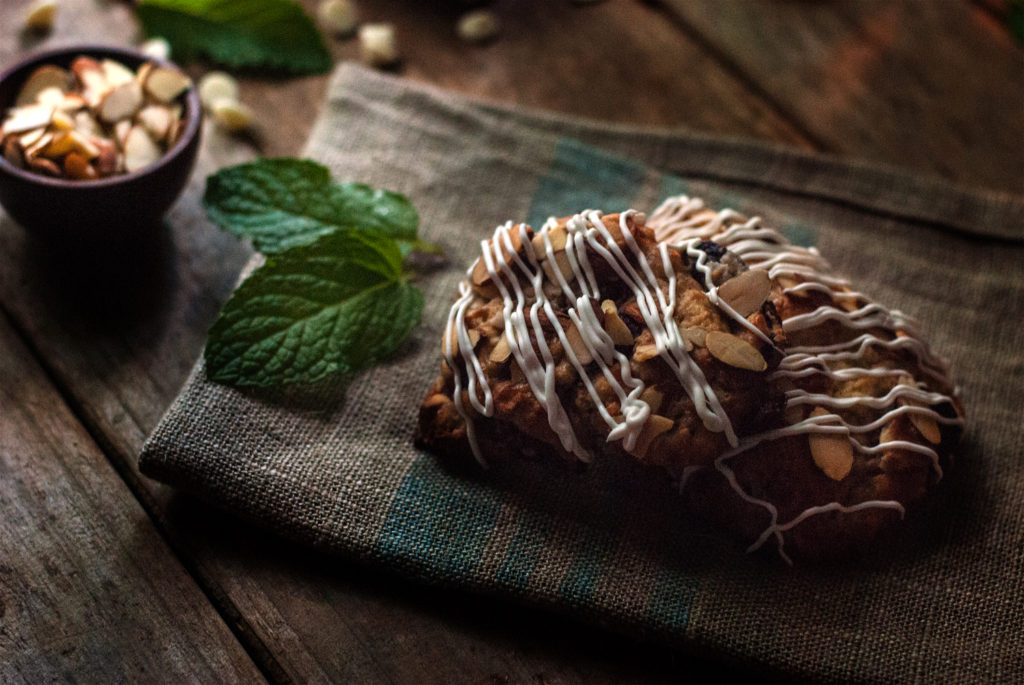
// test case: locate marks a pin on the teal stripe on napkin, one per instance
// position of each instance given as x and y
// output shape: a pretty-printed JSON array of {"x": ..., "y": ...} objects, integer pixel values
[
  {"x": 532, "y": 533},
  {"x": 591, "y": 558},
  {"x": 584, "y": 177},
  {"x": 438, "y": 520},
  {"x": 672, "y": 599}
]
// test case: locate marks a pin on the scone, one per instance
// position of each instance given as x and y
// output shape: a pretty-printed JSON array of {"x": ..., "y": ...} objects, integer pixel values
[{"x": 787, "y": 406}]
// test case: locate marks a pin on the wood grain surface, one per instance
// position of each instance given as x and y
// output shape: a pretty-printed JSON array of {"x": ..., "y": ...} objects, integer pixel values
[
  {"x": 932, "y": 86},
  {"x": 117, "y": 333},
  {"x": 89, "y": 592}
]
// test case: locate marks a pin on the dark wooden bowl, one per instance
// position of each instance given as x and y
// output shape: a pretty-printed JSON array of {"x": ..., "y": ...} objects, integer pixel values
[{"x": 115, "y": 207}]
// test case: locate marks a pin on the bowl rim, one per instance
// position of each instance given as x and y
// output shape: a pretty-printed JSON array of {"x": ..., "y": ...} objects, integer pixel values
[{"x": 193, "y": 109}]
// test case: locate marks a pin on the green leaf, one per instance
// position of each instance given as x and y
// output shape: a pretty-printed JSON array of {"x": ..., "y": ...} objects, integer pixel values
[
  {"x": 1015, "y": 20},
  {"x": 315, "y": 312},
  {"x": 249, "y": 33},
  {"x": 284, "y": 202}
]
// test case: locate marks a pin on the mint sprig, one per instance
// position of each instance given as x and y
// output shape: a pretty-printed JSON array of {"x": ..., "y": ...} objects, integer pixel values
[
  {"x": 332, "y": 297},
  {"x": 284, "y": 202},
  {"x": 254, "y": 33}
]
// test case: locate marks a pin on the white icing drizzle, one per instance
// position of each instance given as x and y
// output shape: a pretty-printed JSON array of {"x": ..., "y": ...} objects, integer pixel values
[
  {"x": 520, "y": 277},
  {"x": 681, "y": 219},
  {"x": 528, "y": 278}
]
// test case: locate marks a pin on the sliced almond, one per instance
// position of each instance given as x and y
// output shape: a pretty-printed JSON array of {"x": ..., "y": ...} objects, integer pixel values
[
  {"x": 90, "y": 76},
  {"x": 747, "y": 291},
  {"x": 156, "y": 119},
  {"x": 888, "y": 433},
  {"x": 121, "y": 130},
  {"x": 175, "y": 128},
  {"x": 501, "y": 351},
  {"x": 33, "y": 150},
  {"x": 44, "y": 166},
  {"x": 83, "y": 145},
  {"x": 558, "y": 236},
  {"x": 72, "y": 102},
  {"x": 516, "y": 240},
  {"x": 122, "y": 102},
  {"x": 83, "y": 64},
  {"x": 695, "y": 335},
  {"x": 614, "y": 326},
  {"x": 579, "y": 348},
  {"x": 786, "y": 281},
  {"x": 832, "y": 452},
  {"x": 231, "y": 115},
  {"x": 70, "y": 141},
  {"x": 86, "y": 124},
  {"x": 478, "y": 26},
  {"x": 40, "y": 15},
  {"x": 729, "y": 349},
  {"x": 847, "y": 302},
  {"x": 13, "y": 153},
  {"x": 480, "y": 275},
  {"x": 30, "y": 138},
  {"x": 653, "y": 398},
  {"x": 924, "y": 424},
  {"x": 164, "y": 84},
  {"x": 217, "y": 85},
  {"x": 61, "y": 121},
  {"x": 378, "y": 44},
  {"x": 144, "y": 71},
  {"x": 927, "y": 427},
  {"x": 655, "y": 425},
  {"x": 43, "y": 79},
  {"x": 77, "y": 167},
  {"x": 107, "y": 161},
  {"x": 562, "y": 264},
  {"x": 339, "y": 17},
  {"x": 644, "y": 352},
  {"x": 24, "y": 119},
  {"x": 51, "y": 97},
  {"x": 116, "y": 73},
  {"x": 472, "y": 333},
  {"x": 156, "y": 48},
  {"x": 140, "y": 150}
]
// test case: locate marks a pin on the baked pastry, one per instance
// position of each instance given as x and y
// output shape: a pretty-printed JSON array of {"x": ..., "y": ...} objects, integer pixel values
[{"x": 786, "y": 405}]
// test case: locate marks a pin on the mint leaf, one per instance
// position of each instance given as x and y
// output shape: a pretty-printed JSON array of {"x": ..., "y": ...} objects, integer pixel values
[
  {"x": 1015, "y": 20},
  {"x": 253, "y": 33},
  {"x": 316, "y": 311},
  {"x": 284, "y": 202}
]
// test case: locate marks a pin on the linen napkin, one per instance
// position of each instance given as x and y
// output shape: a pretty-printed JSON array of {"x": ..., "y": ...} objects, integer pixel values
[{"x": 608, "y": 544}]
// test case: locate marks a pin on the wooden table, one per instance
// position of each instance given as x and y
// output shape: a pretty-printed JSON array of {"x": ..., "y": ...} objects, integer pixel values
[{"x": 107, "y": 576}]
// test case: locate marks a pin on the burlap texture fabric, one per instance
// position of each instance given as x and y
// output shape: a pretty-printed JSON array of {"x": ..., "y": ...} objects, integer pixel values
[{"x": 944, "y": 603}]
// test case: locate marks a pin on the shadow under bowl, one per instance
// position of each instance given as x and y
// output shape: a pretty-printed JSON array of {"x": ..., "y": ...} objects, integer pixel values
[{"x": 114, "y": 208}]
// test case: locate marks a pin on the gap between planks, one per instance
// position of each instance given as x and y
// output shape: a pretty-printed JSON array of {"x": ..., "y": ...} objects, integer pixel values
[{"x": 262, "y": 657}]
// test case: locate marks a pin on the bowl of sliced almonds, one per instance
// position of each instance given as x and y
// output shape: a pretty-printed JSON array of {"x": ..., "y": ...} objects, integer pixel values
[{"x": 97, "y": 141}]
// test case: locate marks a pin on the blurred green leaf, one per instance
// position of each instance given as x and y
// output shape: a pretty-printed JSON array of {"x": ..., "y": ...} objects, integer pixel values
[{"x": 238, "y": 33}]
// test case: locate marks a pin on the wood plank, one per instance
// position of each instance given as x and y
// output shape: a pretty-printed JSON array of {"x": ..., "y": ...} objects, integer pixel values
[
  {"x": 613, "y": 61},
  {"x": 932, "y": 86},
  {"x": 89, "y": 591}
]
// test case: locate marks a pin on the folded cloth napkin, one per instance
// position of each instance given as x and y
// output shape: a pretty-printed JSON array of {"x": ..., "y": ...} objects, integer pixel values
[{"x": 612, "y": 546}]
